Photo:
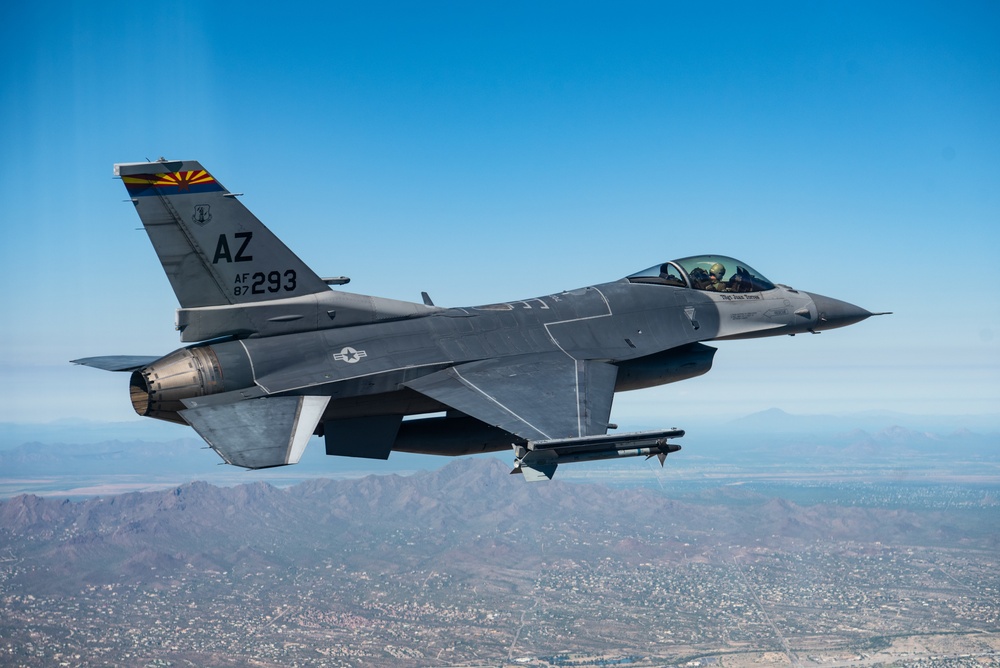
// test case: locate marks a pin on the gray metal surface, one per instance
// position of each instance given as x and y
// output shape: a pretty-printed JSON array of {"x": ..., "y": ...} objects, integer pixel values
[
  {"x": 535, "y": 396},
  {"x": 278, "y": 355},
  {"x": 258, "y": 433}
]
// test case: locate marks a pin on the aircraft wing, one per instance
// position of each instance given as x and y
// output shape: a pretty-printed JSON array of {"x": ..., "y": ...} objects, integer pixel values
[
  {"x": 536, "y": 397},
  {"x": 255, "y": 433}
]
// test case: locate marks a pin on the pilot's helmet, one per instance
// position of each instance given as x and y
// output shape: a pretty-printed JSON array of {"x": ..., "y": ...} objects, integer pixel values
[{"x": 717, "y": 270}]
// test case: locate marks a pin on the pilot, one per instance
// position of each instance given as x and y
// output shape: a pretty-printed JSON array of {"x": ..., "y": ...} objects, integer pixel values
[
  {"x": 715, "y": 275},
  {"x": 699, "y": 278}
]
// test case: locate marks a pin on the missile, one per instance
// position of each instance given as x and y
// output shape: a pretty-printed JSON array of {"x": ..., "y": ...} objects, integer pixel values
[{"x": 537, "y": 460}]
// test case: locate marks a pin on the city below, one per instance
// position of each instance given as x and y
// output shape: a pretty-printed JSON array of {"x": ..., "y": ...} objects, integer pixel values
[{"x": 884, "y": 556}]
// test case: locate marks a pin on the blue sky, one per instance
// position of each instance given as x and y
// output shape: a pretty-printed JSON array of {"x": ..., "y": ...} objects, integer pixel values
[{"x": 492, "y": 151}]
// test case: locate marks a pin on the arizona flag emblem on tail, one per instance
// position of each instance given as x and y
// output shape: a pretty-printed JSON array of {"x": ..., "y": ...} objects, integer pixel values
[{"x": 171, "y": 183}]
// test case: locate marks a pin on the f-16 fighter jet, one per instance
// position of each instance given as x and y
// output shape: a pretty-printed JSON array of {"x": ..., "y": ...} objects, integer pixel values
[{"x": 277, "y": 355}]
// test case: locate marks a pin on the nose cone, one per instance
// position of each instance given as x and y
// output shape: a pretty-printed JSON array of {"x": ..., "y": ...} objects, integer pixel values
[{"x": 833, "y": 313}]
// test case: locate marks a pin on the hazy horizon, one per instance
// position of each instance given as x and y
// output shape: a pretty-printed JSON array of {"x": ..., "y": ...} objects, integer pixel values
[{"x": 492, "y": 152}]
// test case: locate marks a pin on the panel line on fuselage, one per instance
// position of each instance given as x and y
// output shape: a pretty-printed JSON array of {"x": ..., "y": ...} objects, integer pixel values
[
  {"x": 552, "y": 338},
  {"x": 253, "y": 371},
  {"x": 380, "y": 372},
  {"x": 579, "y": 413}
]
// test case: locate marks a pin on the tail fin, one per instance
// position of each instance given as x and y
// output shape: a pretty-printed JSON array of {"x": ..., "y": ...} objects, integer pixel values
[{"x": 214, "y": 251}]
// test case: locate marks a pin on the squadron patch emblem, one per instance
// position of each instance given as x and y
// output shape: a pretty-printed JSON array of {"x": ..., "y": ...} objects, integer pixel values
[{"x": 202, "y": 214}]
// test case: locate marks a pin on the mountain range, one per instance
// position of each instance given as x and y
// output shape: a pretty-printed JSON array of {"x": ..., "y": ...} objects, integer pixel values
[{"x": 468, "y": 512}]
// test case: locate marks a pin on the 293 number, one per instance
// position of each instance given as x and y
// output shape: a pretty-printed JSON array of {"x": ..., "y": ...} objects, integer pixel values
[{"x": 260, "y": 283}]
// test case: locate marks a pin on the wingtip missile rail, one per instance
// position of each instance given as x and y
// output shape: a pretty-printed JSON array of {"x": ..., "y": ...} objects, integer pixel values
[{"x": 537, "y": 460}]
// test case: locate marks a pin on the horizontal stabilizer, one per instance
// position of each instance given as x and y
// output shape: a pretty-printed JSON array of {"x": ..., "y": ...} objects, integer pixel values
[
  {"x": 117, "y": 362},
  {"x": 258, "y": 433}
]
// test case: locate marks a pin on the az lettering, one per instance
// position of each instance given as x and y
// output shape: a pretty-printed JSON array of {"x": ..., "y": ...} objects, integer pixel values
[{"x": 222, "y": 251}]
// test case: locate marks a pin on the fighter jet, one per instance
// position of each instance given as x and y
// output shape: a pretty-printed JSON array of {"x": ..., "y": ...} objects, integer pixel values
[{"x": 278, "y": 355}]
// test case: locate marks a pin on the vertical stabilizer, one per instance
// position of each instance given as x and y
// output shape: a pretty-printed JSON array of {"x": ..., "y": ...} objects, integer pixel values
[{"x": 213, "y": 250}]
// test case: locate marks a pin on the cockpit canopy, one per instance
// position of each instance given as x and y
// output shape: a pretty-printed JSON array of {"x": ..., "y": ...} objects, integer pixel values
[{"x": 715, "y": 273}]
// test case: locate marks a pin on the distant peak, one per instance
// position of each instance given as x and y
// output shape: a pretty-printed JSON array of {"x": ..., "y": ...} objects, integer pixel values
[{"x": 770, "y": 412}]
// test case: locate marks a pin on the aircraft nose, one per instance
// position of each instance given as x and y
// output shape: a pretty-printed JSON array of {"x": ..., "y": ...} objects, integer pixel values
[{"x": 832, "y": 313}]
